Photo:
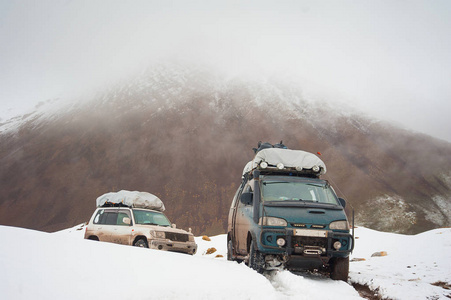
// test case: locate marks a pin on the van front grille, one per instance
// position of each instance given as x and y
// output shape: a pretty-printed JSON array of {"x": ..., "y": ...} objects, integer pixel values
[
  {"x": 301, "y": 225},
  {"x": 301, "y": 241}
]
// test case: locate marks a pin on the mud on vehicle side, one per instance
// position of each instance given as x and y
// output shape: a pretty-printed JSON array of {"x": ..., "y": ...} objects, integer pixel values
[
  {"x": 118, "y": 220},
  {"x": 284, "y": 216}
]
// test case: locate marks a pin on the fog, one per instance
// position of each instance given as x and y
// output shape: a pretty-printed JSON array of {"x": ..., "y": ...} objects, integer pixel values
[{"x": 391, "y": 59}]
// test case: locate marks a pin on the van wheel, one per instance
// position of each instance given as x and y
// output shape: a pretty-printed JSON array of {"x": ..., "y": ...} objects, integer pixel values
[
  {"x": 340, "y": 269},
  {"x": 230, "y": 250},
  {"x": 141, "y": 243},
  {"x": 256, "y": 259}
]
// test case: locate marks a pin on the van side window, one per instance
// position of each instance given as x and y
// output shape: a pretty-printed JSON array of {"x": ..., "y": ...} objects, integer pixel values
[
  {"x": 106, "y": 217},
  {"x": 120, "y": 218},
  {"x": 111, "y": 218},
  {"x": 235, "y": 198},
  {"x": 248, "y": 189}
]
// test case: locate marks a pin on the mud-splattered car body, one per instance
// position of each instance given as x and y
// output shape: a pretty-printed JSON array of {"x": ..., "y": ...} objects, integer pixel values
[
  {"x": 138, "y": 227},
  {"x": 281, "y": 217}
]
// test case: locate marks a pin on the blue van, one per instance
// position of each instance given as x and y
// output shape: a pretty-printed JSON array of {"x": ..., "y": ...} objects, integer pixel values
[{"x": 284, "y": 216}]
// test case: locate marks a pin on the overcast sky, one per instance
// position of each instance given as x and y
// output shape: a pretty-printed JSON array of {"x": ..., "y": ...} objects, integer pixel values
[{"x": 390, "y": 58}]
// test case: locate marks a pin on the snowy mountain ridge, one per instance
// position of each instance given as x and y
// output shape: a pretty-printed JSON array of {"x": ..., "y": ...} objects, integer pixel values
[{"x": 173, "y": 85}]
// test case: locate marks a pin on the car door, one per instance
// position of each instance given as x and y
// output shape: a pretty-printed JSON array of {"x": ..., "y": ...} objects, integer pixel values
[
  {"x": 122, "y": 231},
  {"x": 103, "y": 224},
  {"x": 232, "y": 214},
  {"x": 243, "y": 219}
]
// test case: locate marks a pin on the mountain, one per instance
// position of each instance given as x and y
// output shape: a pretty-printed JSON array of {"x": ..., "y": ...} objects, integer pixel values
[{"x": 185, "y": 134}]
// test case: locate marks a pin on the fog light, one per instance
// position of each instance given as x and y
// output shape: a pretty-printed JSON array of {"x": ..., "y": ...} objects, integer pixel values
[
  {"x": 337, "y": 245},
  {"x": 280, "y": 242},
  {"x": 280, "y": 166},
  {"x": 315, "y": 169},
  {"x": 263, "y": 165}
]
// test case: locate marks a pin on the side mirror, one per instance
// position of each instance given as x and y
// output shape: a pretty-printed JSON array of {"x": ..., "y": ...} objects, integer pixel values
[
  {"x": 246, "y": 198},
  {"x": 126, "y": 220},
  {"x": 174, "y": 226},
  {"x": 342, "y": 202}
]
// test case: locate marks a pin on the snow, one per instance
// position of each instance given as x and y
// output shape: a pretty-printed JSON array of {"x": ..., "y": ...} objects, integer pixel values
[
  {"x": 62, "y": 265},
  {"x": 132, "y": 199},
  {"x": 412, "y": 263},
  {"x": 289, "y": 158}
]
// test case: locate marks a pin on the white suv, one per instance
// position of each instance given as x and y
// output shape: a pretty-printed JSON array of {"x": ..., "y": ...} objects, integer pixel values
[{"x": 138, "y": 227}]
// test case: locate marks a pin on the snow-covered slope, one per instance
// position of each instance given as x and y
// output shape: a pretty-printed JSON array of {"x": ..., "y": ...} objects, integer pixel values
[
  {"x": 61, "y": 265},
  {"x": 415, "y": 267}
]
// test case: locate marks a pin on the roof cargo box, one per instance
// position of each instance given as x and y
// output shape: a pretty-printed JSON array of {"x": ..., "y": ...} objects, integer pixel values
[
  {"x": 288, "y": 159},
  {"x": 131, "y": 199}
]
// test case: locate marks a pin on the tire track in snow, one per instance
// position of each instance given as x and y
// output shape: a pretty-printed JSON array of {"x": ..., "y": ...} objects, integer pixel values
[{"x": 310, "y": 286}]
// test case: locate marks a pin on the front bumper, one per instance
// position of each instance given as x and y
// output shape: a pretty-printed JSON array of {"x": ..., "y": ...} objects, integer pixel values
[
  {"x": 306, "y": 242},
  {"x": 168, "y": 245}
]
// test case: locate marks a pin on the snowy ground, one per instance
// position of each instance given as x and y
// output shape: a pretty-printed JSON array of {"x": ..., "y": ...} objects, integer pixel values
[
  {"x": 410, "y": 269},
  {"x": 61, "y": 265}
]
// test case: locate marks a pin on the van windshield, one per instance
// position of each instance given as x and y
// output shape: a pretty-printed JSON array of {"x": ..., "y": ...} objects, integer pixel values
[
  {"x": 150, "y": 218},
  {"x": 298, "y": 191}
]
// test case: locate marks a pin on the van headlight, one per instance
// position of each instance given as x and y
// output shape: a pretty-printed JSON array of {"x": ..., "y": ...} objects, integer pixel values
[
  {"x": 271, "y": 221},
  {"x": 339, "y": 225}
]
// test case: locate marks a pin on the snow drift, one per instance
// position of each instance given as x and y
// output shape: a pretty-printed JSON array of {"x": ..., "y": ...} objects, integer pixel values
[{"x": 62, "y": 265}]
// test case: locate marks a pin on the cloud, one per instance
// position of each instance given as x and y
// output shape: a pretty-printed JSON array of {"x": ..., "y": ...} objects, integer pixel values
[{"x": 389, "y": 58}]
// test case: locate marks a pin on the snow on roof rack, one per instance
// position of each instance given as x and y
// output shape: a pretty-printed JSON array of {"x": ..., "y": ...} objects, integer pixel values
[
  {"x": 278, "y": 160},
  {"x": 130, "y": 199}
]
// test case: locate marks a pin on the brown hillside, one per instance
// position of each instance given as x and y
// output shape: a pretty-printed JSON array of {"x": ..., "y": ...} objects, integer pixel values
[{"x": 187, "y": 138}]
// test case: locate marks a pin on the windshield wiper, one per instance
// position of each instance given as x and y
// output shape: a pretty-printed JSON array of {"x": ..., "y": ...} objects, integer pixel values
[
  {"x": 272, "y": 182},
  {"x": 299, "y": 199},
  {"x": 316, "y": 184}
]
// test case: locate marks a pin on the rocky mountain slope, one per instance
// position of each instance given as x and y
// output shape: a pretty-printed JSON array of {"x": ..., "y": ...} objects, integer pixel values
[{"x": 185, "y": 135}]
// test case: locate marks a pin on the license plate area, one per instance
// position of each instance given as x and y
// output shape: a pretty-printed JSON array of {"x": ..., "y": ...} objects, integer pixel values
[{"x": 310, "y": 232}]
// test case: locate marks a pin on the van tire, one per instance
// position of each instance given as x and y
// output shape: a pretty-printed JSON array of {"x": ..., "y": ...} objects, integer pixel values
[
  {"x": 256, "y": 259},
  {"x": 142, "y": 243},
  {"x": 230, "y": 250},
  {"x": 339, "y": 268}
]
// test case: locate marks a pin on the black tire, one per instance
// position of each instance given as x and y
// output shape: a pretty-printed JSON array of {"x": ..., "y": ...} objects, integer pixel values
[
  {"x": 339, "y": 269},
  {"x": 141, "y": 243},
  {"x": 256, "y": 259},
  {"x": 93, "y": 238},
  {"x": 230, "y": 250}
]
